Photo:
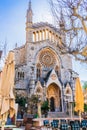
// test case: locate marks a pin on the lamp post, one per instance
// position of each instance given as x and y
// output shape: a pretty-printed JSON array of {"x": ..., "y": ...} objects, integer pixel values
[
  {"x": 66, "y": 104},
  {"x": 71, "y": 114},
  {"x": 44, "y": 91},
  {"x": 26, "y": 105},
  {"x": 72, "y": 97},
  {"x": 39, "y": 107}
]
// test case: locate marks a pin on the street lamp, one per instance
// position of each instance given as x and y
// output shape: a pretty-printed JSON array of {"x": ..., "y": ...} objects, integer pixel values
[
  {"x": 72, "y": 97},
  {"x": 44, "y": 92},
  {"x": 39, "y": 106},
  {"x": 26, "y": 105}
]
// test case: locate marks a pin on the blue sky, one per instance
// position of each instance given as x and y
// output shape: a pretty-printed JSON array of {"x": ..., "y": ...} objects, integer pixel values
[{"x": 13, "y": 19}]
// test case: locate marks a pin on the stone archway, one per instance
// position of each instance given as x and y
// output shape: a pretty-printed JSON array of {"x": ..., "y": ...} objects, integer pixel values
[{"x": 54, "y": 97}]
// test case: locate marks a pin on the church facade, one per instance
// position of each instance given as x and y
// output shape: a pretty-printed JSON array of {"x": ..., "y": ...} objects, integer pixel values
[{"x": 41, "y": 68}]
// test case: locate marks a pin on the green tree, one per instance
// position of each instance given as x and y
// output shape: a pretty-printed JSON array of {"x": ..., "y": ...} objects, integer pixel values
[
  {"x": 45, "y": 107},
  {"x": 85, "y": 107},
  {"x": 21, "y": 101},
  {"x": 85, "y": 85}
]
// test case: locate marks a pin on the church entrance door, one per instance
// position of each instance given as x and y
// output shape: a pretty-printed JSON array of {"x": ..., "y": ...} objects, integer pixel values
[
  {"x": 54, "y": 97},
  {"x": 52, "y": 104}
]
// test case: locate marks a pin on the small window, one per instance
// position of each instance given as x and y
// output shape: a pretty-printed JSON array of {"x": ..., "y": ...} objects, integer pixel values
[
  {"x": 67, "y": 91},
  {"x": 38, "y": 90},
  {"x": 38, "y": 71}
]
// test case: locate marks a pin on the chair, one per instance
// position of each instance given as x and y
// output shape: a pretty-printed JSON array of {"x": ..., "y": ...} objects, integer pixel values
[
  {"x": 75, "y": 126},
  {"x": 54, "y": 125},
  {"x": 46, "y": 124},
  {"x": 71, "y": 122},
  {"x": 64, "y": 126},
  {"x": 77, "y": 121},
  {"x": 28, "y": 126},
  {"x": 84, "y": 124}
]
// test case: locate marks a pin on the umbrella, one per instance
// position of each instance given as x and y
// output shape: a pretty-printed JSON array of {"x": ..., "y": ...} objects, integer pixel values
[
  {"x": 7, "y": 99},
  {"x": 79, "y": 98},
  {"x": 39, "y": 110}
]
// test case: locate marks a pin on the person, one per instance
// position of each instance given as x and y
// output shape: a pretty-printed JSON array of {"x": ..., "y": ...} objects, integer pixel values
[
  {"x": 19, "y": 115},
  {"x": 13, "y": 119},
  {"x": 22, "y": 113},
  {"x": 9, "y": 121}
]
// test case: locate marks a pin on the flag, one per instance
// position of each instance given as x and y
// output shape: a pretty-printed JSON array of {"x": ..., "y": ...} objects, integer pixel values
[
  {"x": 7, "y": 99},
  {"x": 79, "y": 98}
]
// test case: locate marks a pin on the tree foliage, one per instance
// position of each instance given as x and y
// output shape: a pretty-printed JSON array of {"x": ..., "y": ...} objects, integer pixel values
[
  {"x": 85, "y": 107},
  {"x": 85, "y": 85},
  {"x": 21, "y": 101},
  {"x": 45, "y": 107},
  {"x": 71, "y": 20},
  {"x": 32, "y": 104}
]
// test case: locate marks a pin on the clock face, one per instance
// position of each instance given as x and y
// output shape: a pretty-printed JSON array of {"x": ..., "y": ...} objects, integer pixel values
[{"x": 47, "y": 58}]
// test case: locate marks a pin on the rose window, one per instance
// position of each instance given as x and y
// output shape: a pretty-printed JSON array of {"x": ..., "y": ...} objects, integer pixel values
[{"x": 47, "y": 58}]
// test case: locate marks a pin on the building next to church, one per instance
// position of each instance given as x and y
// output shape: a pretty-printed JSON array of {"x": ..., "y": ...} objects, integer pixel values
[{"x": 41, "y": 68}]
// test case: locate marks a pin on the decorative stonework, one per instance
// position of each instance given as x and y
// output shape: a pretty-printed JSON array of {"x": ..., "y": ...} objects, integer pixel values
[
  {"x": 47, "y": 59},
  {"x": 41, "y": 69},
  {"x": 53, "y": 76}
]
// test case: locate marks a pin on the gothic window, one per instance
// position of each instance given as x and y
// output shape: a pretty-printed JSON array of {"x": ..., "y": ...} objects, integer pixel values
[
  {"x": 16, "y": 74},
  {"x": 20, "y": 75},
  {"x": 38, "y": 71},
  {"x": 38, "y": 90},
  {"x": 37, "y": 36},
  {"x": 40, "y": 35},
  {"x": 67, "y": 91},
  {"x": 47, "y": 58},
  {"x": 50, "y": 35},
  {"x": 23, "y": 75}
]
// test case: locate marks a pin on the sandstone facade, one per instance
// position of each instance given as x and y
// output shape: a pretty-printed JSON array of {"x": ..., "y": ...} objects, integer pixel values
[{"x": 41, "y": 68}]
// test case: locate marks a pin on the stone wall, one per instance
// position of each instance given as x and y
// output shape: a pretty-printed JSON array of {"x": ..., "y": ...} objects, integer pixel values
[{"x": 20, "y": 57}]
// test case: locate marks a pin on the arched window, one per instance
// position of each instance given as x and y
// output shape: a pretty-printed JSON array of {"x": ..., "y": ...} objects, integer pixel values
[
  {"x": 67, "y": 91},
  {"x": 38, "y": 71},
  {"x": 18, "y": 75},
  {"x": 23, "y": 75}
]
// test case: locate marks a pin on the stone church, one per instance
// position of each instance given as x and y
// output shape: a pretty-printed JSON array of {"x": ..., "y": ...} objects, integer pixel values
[{"x": 41, "y": 68}]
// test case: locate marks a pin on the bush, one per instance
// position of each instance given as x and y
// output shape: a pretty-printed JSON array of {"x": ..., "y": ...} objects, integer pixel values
[
  {"x": 21, "y": 101},
  {"x": 85, "y": 107},
  {"x": 45, "y": 107}
]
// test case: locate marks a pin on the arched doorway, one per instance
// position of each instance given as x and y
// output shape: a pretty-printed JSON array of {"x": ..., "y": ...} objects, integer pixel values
[{"x": 54, "y": 97}]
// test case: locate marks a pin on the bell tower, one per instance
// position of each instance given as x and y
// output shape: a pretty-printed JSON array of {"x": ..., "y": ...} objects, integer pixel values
[
  {"x": 29, "y": 23},
  {"x": 62, "y": 26}
]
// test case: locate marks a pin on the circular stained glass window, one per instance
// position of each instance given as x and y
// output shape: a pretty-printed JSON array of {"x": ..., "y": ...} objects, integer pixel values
[{"x": 47, "y": 58}]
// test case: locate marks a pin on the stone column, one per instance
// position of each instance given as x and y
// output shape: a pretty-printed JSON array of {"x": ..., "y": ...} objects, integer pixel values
[
  {"x": 41, "y": 35},
  {"x": 44, "y": 34}
]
